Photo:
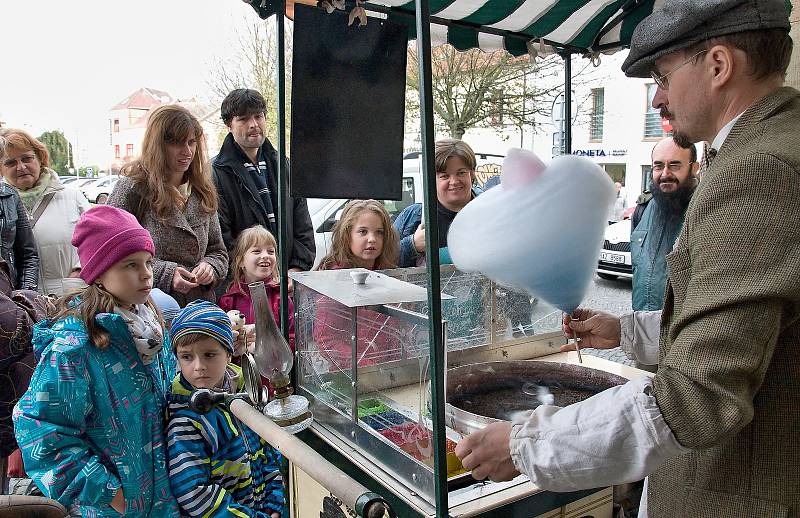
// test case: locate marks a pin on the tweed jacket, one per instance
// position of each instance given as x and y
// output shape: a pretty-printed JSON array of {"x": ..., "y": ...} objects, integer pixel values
[
  {"x": 184, "y": 239},
  {"x": 729, "y": 376}
]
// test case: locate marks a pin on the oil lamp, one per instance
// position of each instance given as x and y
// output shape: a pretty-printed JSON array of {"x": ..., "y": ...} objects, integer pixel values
[{"x": 274, "y": 360}]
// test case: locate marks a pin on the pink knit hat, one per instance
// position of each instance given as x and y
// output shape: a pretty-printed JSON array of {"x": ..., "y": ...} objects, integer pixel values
[{"x": 105, "y": 235}]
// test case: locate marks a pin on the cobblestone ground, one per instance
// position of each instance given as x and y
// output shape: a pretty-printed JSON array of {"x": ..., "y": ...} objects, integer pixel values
[{"x": 614, "y": 297}]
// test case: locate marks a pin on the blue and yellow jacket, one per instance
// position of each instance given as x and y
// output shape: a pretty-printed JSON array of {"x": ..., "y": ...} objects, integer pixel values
[
  {"x": 217, "y": 465},
  {"x": 92, "y": 422}
]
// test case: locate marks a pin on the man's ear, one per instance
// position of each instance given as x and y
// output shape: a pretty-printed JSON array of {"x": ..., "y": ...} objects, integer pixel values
[
  {"x": 722, "y": 64},
  {"x": 695, "y": 169}
]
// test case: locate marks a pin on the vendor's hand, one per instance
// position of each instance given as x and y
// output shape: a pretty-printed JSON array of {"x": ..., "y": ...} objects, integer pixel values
[
  {"x": 487, "y": 454},
  {"x": 419, "y": 238},
  {"x": 118, "y": 502},
  {"x": 75, "y": 273},
  {"x": 595, "y": 328},
  {"x": 204, "y": 274},
  {"x": 183, "y": 280},
  {"x": 275, "y": 514}
]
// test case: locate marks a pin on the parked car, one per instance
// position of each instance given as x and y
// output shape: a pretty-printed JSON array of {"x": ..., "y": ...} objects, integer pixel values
[
  {"x": 325, "y": 213},
  {"x": 628, "y": 214},
  {"x": 615, "y": 256},
  {"x": 67, "y": 179},
  {"x": 98, "y": 192},
  {"x": 81, "y": 183}
]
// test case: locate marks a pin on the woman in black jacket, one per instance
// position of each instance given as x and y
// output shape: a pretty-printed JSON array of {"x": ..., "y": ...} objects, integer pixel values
[{"x": 17, "y": 245}]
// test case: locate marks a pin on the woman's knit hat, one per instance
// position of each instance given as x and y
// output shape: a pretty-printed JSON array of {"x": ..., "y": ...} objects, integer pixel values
[
  {"x": 205, "y": 318},
  {"x": 105, "y": 235}
]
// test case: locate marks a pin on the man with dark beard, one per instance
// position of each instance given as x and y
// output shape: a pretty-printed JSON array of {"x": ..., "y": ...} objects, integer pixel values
[{"x": 657, "y": 221}]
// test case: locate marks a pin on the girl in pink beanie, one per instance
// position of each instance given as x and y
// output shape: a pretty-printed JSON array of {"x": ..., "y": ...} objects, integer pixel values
[{"x": 90, "y": 426}]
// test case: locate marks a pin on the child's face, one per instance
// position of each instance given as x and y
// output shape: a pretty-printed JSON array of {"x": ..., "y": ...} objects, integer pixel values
[
  {"x": 366, "y": 239},
  {"x": 259, "y": 263},
  {"x": 131, "y": 279},
  {"x": 203, "y": 363}
]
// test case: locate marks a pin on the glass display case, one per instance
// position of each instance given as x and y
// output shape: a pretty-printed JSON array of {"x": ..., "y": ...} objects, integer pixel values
[{"x": 362, "y": 358}]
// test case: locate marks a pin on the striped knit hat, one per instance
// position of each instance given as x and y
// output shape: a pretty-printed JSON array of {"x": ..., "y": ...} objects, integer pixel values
[{"x": 204, "y": 318}]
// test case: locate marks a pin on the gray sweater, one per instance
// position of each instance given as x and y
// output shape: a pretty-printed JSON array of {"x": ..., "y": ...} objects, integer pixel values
[{"x": 184, "y": 238}]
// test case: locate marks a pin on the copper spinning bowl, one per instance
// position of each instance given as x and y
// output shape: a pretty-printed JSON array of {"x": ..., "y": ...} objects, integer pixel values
[{"x": 480, "y": 394}]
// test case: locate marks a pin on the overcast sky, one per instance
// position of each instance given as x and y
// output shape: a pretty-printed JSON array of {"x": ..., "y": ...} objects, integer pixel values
[{"x": 67, "y": 62}]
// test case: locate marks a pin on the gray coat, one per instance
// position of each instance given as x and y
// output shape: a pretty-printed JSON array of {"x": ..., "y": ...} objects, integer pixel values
[{"x": 184, "y": 238}]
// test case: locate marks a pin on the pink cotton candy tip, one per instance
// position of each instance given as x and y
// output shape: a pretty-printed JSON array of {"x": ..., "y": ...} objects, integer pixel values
[{"x": 521, "y": 167}]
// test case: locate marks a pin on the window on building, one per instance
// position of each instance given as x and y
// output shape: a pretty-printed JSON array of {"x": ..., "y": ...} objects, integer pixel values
[
  {"x": 598, "y": 107},
  {"x": 116, "y": 151},
  {"x": 116, "y": 125},
  {"x": 652, "y": 117},
  {"x": 128, "y": 150}
]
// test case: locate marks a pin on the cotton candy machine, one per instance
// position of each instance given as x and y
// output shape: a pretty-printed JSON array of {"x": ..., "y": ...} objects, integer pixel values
[{"x": 483, "y": 393}]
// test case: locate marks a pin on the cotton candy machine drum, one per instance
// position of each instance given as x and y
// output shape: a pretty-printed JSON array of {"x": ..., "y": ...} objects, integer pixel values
[{"x": 480, "y": 394}]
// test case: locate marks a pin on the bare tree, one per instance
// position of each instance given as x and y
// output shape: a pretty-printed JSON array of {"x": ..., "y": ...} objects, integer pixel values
[
  {"x": 254, "y": 65},
  {"x": 474, "y": 88}
]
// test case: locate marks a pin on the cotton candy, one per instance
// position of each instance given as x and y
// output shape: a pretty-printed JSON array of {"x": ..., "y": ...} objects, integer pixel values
[{"x": 539, "y": 230}]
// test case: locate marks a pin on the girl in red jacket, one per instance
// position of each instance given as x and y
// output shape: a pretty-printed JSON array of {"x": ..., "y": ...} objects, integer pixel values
[
  {"x": 255, "y": 259},
  {"x": 362, "y": 238}
]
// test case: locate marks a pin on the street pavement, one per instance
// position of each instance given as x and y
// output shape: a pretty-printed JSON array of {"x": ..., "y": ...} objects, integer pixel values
[{"x": 614, "y": 297}]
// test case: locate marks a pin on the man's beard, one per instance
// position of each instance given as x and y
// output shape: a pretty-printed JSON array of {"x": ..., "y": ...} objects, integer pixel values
[{"x": 670, "y": 206}]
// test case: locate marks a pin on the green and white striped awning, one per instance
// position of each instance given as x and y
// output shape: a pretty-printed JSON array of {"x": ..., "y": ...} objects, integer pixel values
[{"x": 579, "y": 26}]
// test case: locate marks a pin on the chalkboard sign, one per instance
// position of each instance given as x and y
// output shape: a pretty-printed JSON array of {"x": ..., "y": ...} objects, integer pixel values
[{"x": 348, "y": 102}]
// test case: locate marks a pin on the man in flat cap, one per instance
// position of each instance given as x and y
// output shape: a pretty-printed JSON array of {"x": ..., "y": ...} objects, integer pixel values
[{"x": 717, "y": 428}]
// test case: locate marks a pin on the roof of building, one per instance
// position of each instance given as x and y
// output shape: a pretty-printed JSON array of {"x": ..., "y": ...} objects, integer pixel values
[{"x": 144, "y": 99}]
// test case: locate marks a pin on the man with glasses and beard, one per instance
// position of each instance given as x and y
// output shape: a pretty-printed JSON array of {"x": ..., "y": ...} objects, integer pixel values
[{"x": 658, "y": 220}]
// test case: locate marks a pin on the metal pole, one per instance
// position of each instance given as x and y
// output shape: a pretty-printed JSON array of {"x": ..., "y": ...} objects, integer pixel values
[
  {"x": 567, "y": 103},
  {"x": 283, "y": 192},
  {"x": 283, "y": 183},
  {"x": 435, "y": 336},
  {"x": 354, "y": 365}
]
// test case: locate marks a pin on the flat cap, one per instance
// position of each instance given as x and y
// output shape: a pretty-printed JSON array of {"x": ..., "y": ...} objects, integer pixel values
[{"x": 678, "y": 24}]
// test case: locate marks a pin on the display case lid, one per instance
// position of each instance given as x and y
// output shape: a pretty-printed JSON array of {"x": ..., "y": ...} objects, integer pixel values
[{"x": 377, "y": 289}]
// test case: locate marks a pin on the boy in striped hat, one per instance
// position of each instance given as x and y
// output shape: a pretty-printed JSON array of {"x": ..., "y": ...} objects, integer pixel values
[{"x": 217, "y": 465}]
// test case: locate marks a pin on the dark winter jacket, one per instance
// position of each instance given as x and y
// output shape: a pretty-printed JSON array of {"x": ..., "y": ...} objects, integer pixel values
[
  {"x": 641, "y": 204},
  {"x": 16, "y": 239},
  {"x": 240, "y": 205},
  {"x": 19, "y": 311},
  {"x": 406, "y": 224}
]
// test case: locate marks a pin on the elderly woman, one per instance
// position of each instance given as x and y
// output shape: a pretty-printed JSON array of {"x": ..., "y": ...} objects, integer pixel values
[
  {"x": 455, "y": 175},
  {"x": 17, "y": 245},
  {"x": 53, "y": 209},
  {"x": 169, "y": 190}
]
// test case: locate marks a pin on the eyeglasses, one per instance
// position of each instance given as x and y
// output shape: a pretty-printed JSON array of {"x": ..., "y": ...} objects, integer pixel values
[
  {"x": 673, "y": 167},
  {"x": 662, "y": 81},
  {"x": 25, "y": 159}
]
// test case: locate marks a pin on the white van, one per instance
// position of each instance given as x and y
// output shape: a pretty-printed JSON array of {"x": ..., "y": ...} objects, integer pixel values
[{"x": 325, "y": 213}]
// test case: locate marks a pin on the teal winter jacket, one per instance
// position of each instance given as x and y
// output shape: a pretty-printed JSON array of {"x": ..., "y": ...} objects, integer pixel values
[{"x": 92, "y": 422}]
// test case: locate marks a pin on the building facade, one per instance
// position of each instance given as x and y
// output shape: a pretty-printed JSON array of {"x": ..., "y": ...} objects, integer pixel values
[{"x": 128, "y": 120}]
